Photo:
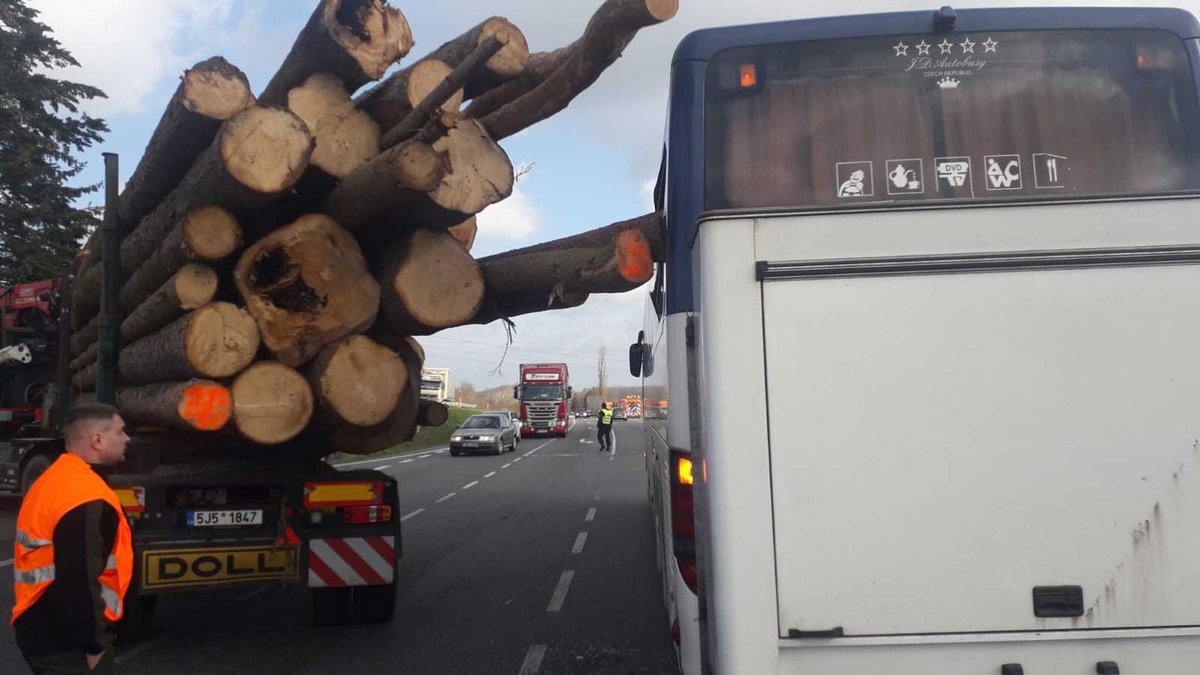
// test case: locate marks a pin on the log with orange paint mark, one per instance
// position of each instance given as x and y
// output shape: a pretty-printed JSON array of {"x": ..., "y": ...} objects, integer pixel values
[{"x": 194, "y": 405}]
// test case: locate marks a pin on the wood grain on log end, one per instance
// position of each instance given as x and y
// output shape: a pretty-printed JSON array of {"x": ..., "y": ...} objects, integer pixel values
[
  {"x": 306, "y": 284},
  {"x": 221, "y": 340},
  {"x": 216, "y": 89},
  {"x": 430, "y": 283},
  {"x": 345, "y": 138},
  {"x": 211, "y": 233},
  {"x": 662, "y": 10},
  {"x": 358, "y": 381},
  {"x": 272, "y": 403},
  {"x": 375, "y": 35},
  {"x": 266, "y": 149},
  {"x": 480, "y": 173},
  {"x": 464, "y": 233},
  {"x": 511, "y": 59}
]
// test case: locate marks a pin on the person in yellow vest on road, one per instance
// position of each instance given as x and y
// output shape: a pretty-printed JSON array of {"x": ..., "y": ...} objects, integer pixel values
[
  {"x": 74, "y": 552},
  {"x": 604, "y": 428}
]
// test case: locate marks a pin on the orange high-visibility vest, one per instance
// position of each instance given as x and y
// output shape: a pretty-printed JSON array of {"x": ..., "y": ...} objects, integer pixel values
[{"x": 68, "y": 483}]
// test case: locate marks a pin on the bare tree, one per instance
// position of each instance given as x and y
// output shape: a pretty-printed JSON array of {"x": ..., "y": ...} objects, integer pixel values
[{"x": 601, "y": 375}]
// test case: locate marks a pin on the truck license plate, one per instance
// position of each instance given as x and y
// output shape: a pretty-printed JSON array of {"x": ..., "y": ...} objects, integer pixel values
[
  {"x": 210, "y": 566},
  {"x": 224, "y": 518}
]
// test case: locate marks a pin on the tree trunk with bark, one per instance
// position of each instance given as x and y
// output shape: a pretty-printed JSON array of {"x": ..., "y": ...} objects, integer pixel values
[
  {"x": 257, "y": 156},
  {"x": 208, "y": 94},
  {"x": 464, "y": 233},
  {"x": 497, "y": 307},
  {"x": 85, "y": 359},
  {"x": 357, "y": 381},
  {"x": 194, "y": 405},
  {"x": 272, "y": 403},
  {"x": 540, "y": 66},
  {"x": 216, "y": 341},
  {"x": 306, "y": 285},
  {"x": 345, "y": 137},
  {"x": 192, "y": 287},
  {"x": 85, "y": 379},
  {"x": 612, "y": 259},
  {"x": 429, "y": 283},
  {"x": 397, "y": 176},
  {"x": 503, "y": 66},
  {"x": 353, "y": 40},
  {"x": 610, "y": 30},
  {"x": 208, "y": 234},
  {"x": 392, "y": 100},
  {"x": 86, "y": 336}
]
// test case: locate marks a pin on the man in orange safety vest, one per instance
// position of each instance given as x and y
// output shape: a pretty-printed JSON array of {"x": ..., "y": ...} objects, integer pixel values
[{"x": 73, "y": 555}]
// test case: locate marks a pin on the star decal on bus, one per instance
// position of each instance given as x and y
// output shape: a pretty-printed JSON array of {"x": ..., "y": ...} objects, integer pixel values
[
  {"x": 968, "y": 47},
  {"x": 946, "y": 46},
  {"x": 923, "y": 48},
  {"x": 989, "y": 45},
  {"x": 901, "y": 48}
]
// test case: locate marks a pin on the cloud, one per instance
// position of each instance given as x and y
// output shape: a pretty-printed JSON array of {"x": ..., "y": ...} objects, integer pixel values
[
  {"x": 512, "y": 223},
  {"x": 129, "y": 48}
]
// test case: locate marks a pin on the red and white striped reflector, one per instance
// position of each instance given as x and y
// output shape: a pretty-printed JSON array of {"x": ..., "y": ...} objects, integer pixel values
[{"x": 351, "y": 561}]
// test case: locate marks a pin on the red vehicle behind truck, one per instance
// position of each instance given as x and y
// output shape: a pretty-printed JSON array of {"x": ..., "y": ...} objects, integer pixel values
[{"x": 544, "y": 395}]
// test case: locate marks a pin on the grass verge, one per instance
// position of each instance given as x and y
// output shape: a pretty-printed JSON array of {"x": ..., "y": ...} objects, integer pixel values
[{"x": 426, "y": 437}]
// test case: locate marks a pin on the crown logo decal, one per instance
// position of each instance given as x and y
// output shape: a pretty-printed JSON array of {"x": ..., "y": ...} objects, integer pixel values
[{"x": 948, "y": 83}]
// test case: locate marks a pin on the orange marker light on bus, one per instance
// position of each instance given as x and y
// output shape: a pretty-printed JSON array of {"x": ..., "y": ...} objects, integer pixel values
[
  {"x": 685, "y": 471},
  {"x": 749, "y": 75}
]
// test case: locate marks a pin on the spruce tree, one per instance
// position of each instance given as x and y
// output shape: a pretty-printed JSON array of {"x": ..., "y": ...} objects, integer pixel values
[{"x": 42, "y": 131}]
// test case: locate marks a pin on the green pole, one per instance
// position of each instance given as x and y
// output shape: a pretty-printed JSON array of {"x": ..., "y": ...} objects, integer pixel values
[{"x": 106, "y": 352}]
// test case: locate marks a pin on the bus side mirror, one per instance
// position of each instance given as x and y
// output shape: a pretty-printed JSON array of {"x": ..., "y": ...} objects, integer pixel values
[
  {"x": 570, "y": 392},
  {"x": 635, "y": 355},
  {"x": 517, "y": 392}
]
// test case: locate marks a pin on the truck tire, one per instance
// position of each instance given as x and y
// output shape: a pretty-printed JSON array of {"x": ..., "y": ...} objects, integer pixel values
[
  {"x": 332, "y": 606},
  {"x": 375, "y": 604},
  {"x": 137, "y": 622},
  {"x": 35, "y": 466}
]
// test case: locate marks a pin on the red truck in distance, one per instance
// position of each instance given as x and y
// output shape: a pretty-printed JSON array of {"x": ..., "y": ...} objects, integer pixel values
[{"x": 544, "y": 395}]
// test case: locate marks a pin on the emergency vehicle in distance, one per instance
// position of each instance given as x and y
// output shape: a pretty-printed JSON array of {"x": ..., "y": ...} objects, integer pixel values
[{"x": 544, "y": 394}]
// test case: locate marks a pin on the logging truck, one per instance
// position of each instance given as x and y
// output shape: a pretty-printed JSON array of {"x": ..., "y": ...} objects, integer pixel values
[{"x": 928, "y": 325}]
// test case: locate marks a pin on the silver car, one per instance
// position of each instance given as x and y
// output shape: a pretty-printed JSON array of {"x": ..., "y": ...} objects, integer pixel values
[{"x": 486, "y": 432}]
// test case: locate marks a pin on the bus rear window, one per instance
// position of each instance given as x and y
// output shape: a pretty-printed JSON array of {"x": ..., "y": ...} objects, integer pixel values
[{"x": 981, "y": 116}]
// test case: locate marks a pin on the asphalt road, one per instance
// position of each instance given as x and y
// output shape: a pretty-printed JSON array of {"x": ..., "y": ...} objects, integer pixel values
[{"x": 536, "y": 561}]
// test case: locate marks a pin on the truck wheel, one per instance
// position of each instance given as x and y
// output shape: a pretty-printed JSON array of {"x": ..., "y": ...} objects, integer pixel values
[
  {"x": 34, "y": 468},
  {"x": 332, "y": 606},
  {"x": 375, "y": 604},
  {"x": 137, "y": 622}
]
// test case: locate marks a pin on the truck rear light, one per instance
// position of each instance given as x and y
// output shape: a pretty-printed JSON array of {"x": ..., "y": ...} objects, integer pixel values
[
  {"x": 342, "y": 493},
  {"x": 683, "y": 523},
  {"x": 132, "y": 499},
  {"x": 359, "y": 515}
]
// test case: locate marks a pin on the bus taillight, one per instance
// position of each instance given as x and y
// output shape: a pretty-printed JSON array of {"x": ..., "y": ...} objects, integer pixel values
[{"x": 683, "y": 523}]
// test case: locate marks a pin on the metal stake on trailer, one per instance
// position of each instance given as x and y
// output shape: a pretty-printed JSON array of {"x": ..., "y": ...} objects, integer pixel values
[{"x": 106, "y": 352}]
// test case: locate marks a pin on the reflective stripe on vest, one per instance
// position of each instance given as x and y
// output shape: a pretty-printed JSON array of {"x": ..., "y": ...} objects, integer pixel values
[
  {"x": 67, "y": 484},
  {"x": 606, "y": 416}
]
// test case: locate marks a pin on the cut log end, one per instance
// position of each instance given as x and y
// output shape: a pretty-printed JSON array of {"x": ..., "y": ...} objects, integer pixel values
[
  {"x": 205, "y": 406},
  {"x": 661, "y": 10},
  {"x": 211, "y": 233},
  {"x": 432, "y": 414},
  {"x": 266, "y": 149},
  {"x": 216, "y": 89},
  {"x": 432, "y": 283},
  {"x": 464, "y": 233},
  {"x": 357, "y": 381},
  {"x": 345, "y": 138},
  {"x": 375, "y": 35},
  {"x": 196, "y": 405},
  {"x": 635, "y": 263},
  {"x": 480, "y": 173},
  {"x": 272, "y": 403},
  {"x": 511, "y": 59},
  {"x": 221, "y": 340}
]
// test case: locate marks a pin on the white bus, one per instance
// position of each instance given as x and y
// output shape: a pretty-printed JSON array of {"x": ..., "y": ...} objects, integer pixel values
[{"x": 929, "y": 331}]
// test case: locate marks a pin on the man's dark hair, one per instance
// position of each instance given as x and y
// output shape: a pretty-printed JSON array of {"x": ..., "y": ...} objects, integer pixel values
[{"x": 87, "y": 412}]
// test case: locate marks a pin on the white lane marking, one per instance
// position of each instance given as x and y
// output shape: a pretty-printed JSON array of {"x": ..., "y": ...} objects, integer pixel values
[
  {"x": 590, "y": 516},
  {"x": 414, "y": 514},
  {"x": 596, "y": 498},
  {"x": 532, "y": 665},
  {"x": 439, "y": 501},
  {"x": 6, "y": 563},
  {"x": 517, "y": 460},
  {"x": 385, "y": 466},
  {"x": 506, "y": 466},
  {"x": 489, "y": 475},
  {"x": 533, "y": 451},
  {"x": 560, "y": 591},
  {"x": 407, "y": 461},
  {"x": 470, "y": 485},
  {"x": 579, "y": 541},
  {"x": 389, "y": 458}
]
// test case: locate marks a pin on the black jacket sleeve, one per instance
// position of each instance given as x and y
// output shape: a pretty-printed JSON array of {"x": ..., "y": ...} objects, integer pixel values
[{"x": 83, "y": 540}]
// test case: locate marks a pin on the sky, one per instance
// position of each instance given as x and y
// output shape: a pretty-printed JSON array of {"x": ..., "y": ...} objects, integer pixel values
[{"x": 590, "y": 165}]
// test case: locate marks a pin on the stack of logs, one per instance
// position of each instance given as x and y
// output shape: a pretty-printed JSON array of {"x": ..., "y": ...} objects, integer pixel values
[{"x": 278, "y": 253}]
